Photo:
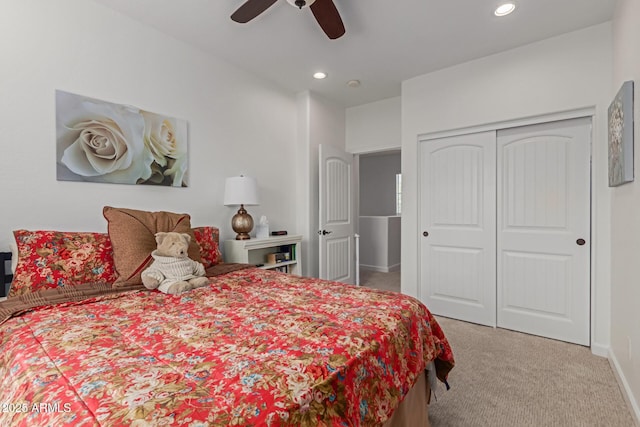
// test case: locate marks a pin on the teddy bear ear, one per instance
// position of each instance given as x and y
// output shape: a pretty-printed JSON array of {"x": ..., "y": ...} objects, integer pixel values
[
  {"x": 160, "y": 237},
  {"x": 187, "y": 237}
]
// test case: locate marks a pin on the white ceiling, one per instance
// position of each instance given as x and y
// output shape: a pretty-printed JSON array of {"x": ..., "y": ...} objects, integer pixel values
[{"x": 386, "y": 41}]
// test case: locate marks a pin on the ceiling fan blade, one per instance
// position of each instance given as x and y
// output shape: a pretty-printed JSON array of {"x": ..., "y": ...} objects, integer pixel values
[
  {"x": 328, "y": 17},
  {"x": 250, "y": 9}
]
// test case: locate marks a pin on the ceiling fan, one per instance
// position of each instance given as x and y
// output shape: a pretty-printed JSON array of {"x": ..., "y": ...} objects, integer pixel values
[{"x": 324, "y": 11}]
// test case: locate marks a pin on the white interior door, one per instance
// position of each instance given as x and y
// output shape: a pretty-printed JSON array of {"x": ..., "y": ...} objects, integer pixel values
[
  {"x": 458, "y": 226},
  {"x": 337, "y": 217},
  {"x": 543, "y": 229}
]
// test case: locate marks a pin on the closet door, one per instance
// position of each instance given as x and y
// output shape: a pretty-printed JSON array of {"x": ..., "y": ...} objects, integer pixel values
[
  {"x": 543, "y": 221},
  {"x": 458, "y": 220}
]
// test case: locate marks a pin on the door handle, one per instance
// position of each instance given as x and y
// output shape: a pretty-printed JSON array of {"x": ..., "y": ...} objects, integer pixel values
[
  {"x": 580, "y": 242},
  {"x": 324, "y": 232},
  {"x": 425, "y": 233}
]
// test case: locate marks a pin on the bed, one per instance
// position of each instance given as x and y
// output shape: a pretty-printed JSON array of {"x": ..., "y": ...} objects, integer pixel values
[{"x": 255, "y": 347}]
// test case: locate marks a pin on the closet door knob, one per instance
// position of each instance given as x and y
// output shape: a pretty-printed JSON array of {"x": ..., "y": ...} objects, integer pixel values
[
  {"x": 425, "y": 233},
  {"x": 580, "y": 242}
]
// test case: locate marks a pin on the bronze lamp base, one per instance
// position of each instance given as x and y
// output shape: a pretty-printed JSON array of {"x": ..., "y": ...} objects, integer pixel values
[{"x": 242, "y": 223}]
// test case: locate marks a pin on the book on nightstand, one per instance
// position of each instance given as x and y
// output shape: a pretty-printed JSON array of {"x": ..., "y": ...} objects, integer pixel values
[{"x": 276, "y": 257}]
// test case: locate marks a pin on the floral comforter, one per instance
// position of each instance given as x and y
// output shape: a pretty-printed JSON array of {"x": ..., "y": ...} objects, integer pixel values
[{"x": 255, "y": 347}]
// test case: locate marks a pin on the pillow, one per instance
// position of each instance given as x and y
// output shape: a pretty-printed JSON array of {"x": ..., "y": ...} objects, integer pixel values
[
  {"x": 51, "y": 259},
  {"x": 208, "y": 240},
  {"x": 132, "y": 234},
  {"x": 14, "y": 255}
]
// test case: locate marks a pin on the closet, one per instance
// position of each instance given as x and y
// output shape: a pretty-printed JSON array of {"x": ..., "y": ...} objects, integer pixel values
[{"x": 505, "y": 223}]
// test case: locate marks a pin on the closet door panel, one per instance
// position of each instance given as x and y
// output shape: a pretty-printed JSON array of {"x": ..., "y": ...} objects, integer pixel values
[
  {"x": 457, "y": 217},
  {"x": 543, "y": 277}
]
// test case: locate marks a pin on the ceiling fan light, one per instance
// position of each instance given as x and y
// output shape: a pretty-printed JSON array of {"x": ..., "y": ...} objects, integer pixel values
[
  {"x": 296, "y": 3},
  {"x": 504, "y": 9},
  {"x": 319, "y": 75}
]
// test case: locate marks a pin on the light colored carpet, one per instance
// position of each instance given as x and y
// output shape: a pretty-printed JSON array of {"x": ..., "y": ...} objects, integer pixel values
[
  {"x": 384, "y": 281},
  {"x": 506, "y": 378}
]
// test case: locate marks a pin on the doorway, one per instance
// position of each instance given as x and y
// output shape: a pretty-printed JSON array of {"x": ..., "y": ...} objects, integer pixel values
[{"x": 379, "y": 228}]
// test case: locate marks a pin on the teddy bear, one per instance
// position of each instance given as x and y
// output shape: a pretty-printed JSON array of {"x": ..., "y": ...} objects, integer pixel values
[{"x": 172, "y": 271}]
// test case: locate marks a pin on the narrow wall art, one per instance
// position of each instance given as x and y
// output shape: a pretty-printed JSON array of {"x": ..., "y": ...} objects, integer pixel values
[
  {"x": 621, "y": 136},
  {"x": 98, "y": 141}
]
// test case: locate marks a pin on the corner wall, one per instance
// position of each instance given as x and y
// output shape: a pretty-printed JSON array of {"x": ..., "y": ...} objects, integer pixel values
[
  {"x": 625, "y": 225},
  {"x": 238, "y": 123},
  {"x": 568, "y": 72},
  {"x": 319, "y": 122},
  {"x": 378, "y": 183}
]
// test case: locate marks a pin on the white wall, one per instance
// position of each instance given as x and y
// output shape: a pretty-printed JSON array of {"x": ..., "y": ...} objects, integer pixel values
[
  {"x": 395, "y": 245},
  {"x": 374, "y": 126},
  {"x": 378, "y": 183},
  {"x": 319, "y": 122},
  {"x": 625, "y": 205},
  {"x": 237, "y": 122},
  {"x": 568, "y": 72},
  {"x": 380, "y": 243}
]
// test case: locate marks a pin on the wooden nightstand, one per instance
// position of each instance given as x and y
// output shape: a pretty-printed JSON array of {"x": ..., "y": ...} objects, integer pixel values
[{"x": 255, "y": 251}]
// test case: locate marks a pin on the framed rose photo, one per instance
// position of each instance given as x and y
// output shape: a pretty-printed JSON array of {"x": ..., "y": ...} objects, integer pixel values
[
  {"x": 620, "y": 130},
  {"x": 99, "y": 141}
]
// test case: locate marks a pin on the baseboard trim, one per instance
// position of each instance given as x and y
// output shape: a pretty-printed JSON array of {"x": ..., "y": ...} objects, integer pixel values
[
  {"x": 381, "y": 268},
  {"x": 624, "y": 387},
  {"x": 393, "y": 268},
  {"x": 600, "y": 350},
  {"x": 373, "y": 268}
]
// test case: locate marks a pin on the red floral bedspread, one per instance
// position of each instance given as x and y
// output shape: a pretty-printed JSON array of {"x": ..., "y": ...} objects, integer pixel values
[{"x": 254, "y": 348}]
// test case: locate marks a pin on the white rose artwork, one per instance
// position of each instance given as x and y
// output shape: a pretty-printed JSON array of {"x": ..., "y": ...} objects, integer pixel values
[
  {"x": 99, "y": 141},
  {"x": 165, "y": 139}
]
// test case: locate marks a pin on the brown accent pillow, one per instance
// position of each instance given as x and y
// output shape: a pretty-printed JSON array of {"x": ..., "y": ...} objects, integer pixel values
[{"x": 132, "y": 233}]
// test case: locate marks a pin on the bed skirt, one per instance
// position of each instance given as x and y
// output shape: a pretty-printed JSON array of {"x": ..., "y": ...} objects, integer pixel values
[{"x": 413, "y": 410}]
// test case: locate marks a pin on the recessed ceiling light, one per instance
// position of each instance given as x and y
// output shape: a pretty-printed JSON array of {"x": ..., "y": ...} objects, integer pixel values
[
  {"x": 504, "y": 9},
  {"x": 353, "y": 83},
  {"x": 319, "y": 75}
]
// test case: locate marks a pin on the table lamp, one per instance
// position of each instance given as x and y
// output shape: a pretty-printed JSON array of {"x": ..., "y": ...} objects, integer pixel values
[{"x": 241, "y": 190}]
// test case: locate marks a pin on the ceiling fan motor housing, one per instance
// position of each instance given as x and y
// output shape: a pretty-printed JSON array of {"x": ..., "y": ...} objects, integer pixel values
[{"x": 301, "y": 3}]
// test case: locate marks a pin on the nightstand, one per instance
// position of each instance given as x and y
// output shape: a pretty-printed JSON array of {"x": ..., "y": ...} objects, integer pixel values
[{"x": 255, "y": 251}]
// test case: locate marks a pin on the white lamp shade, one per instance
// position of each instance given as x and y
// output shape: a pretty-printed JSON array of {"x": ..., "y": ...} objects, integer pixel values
[{"x": 240, "y": 190}]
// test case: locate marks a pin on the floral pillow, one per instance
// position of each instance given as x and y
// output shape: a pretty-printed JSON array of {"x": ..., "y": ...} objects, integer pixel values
[
  {"x": 208, "y": 240},
  {"x": 51, "y": 259}
]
